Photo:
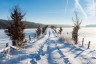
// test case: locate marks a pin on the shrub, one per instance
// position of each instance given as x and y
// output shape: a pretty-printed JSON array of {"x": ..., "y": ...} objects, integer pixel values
[{"x": 38, "y": 31}]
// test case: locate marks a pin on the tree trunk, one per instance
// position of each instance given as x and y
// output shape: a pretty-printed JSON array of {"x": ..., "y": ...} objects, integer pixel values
[
  {"x": 13, "y": 43},
  {"x": 76, "y": 42}
]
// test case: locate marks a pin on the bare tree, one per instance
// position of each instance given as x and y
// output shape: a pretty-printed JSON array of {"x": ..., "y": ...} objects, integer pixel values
[
  {"x": 16, "y": 28},
  {"x": 60, "y": 30},
  {"x": 77, "y": 21}
]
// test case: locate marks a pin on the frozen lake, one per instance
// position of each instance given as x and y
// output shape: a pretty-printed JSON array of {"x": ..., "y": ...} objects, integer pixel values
[{"x": 88, "y": 33}]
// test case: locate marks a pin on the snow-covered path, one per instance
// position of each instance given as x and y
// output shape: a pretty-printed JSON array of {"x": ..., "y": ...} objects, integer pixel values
[{"x": 49, "y": 49}]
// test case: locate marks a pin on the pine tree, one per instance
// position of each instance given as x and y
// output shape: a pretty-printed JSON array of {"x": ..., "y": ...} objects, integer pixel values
[
  {"x": 16, "y": 28},
  {"x": 38, "y": 31},
  {"x": 44, "y": 29}
]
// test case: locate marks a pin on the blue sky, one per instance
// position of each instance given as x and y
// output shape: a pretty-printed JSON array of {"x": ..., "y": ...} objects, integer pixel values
[{"x": 51, "y": 11}]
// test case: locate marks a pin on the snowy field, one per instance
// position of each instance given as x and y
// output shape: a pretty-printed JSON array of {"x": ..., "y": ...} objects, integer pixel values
[
  {"x": 5, "y": 39},
  {"x": 49, "y": 49},
  {"x": 89, "y": 34}
]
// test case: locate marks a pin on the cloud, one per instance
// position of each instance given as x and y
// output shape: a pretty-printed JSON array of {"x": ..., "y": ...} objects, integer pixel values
[
  {"x": 91, "y": 11},
  {"x": 66, "y": 5},
  {"x": 91, "y": 7},
  {"x": 78, "y": 6}
]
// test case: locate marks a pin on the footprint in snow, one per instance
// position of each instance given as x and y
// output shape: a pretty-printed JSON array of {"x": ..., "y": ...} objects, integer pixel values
[
  {"x": 35, "y": 56},
  {"x": 93, "y": 57},
  {"x": 33, "y": 61}
]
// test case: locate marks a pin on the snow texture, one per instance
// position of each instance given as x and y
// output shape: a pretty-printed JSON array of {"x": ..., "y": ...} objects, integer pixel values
[{"x": 48, "y": 49}]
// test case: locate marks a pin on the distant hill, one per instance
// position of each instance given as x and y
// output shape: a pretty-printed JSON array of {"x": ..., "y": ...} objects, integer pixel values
[
  {"x": 60, "y": 25},
  {"x": 91, "y": 25},
  {"x": 5, "y": 23}
]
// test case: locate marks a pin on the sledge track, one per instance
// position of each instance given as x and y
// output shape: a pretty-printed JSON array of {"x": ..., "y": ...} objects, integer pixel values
[
  {"x": 56, "y": 54},
  {"x": 73, "y": 50},
  {"x": 65, "y": 59},
  {"x": 48, "y": 49}
]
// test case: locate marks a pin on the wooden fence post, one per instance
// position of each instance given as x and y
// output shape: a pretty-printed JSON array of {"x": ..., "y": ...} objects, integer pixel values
[
  {"x": 29, "y": 38},
  {"x": 89, "y": 44},
  {"x": 82, "y": 41},
  {"x": 7, "y": 44}
]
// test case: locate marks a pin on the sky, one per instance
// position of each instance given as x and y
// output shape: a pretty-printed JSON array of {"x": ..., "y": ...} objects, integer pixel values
[{"x": 52, "y": 11}]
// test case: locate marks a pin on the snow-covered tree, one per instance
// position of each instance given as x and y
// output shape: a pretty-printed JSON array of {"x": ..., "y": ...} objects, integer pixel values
[
  {"x": 38, "y": 31},
  {"x": 60, "y": 30},
  {"x": 16, "y": 28},
  {"x": 77, "y": 21},
  {"x": 44, "y": 29}
]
